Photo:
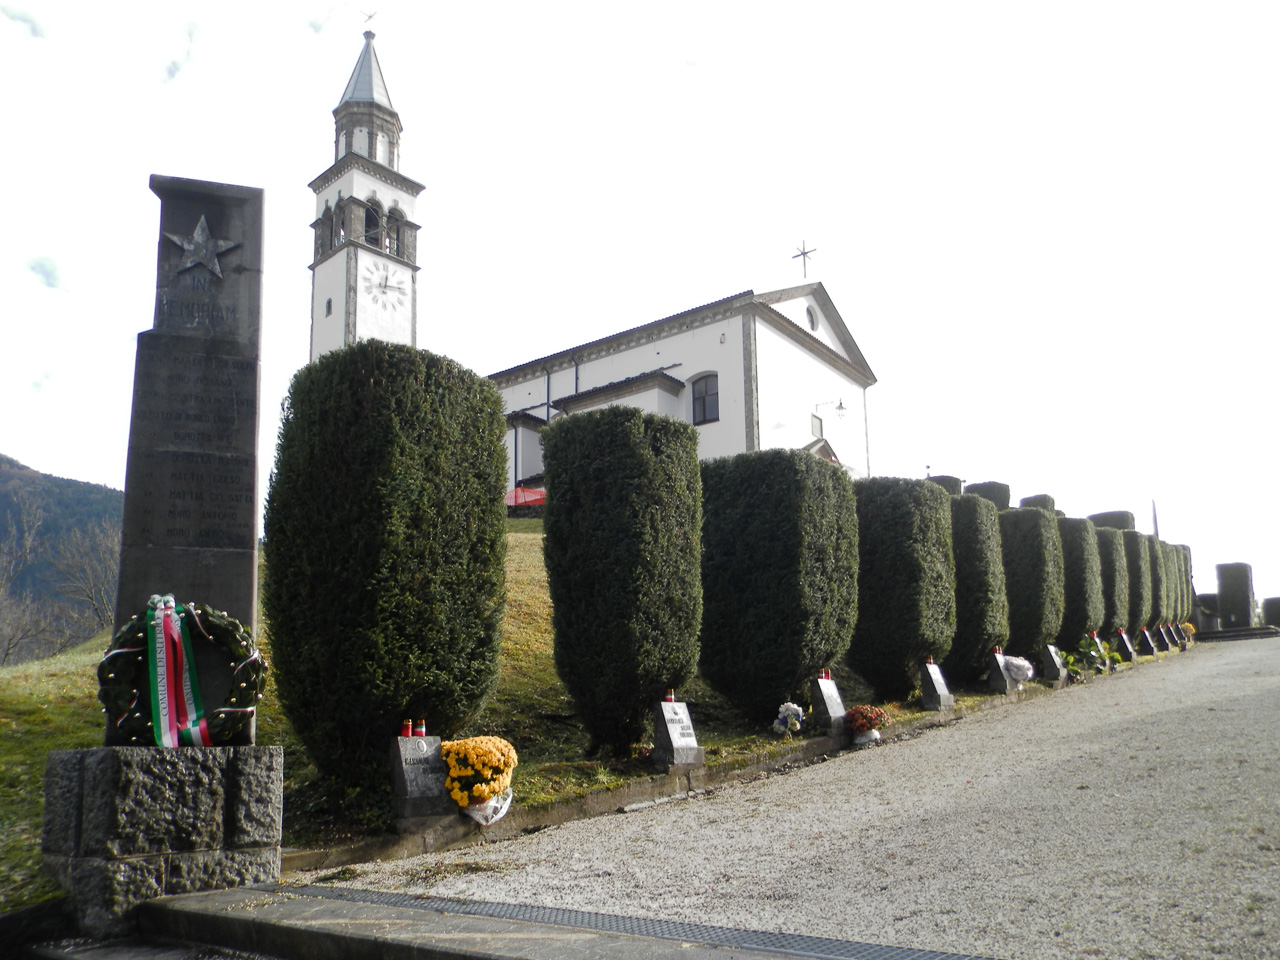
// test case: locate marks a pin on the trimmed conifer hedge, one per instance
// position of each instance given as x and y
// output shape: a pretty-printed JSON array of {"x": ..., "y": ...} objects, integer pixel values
[
  {"x": 779, "y": 575},
  {"x": 384, "y": 546},
  {"x": 1137, "y": 557},
  {"x": 623, "y": 553},
  {"x": 1033, "y": 575},
  {"x": 1115, "y": 520},
  {"x": 1083, "y": 608},
  {"x": 1271, "y": 611},
  {"x": 952, "y": 485},
  {"x": 982, "y": 605},
  {"x": 1173, "y": 573},
  {"x": 1188, "y": 584},
  {"x": 1235, "y": 595},
  {"x": 997, "y": 493},
  {"x": 1160, "y": 587},
  {"x": 1041, "y": 500},
  {"x": 906, "y": 582},
  {"x": 1115, "y": 581}
]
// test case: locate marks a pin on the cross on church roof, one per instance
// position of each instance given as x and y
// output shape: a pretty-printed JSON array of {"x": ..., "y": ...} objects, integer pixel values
[{"x": 803, "y": 255}]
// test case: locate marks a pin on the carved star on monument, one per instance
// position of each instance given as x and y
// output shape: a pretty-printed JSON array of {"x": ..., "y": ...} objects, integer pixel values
[{"x": 201, "y": 247}]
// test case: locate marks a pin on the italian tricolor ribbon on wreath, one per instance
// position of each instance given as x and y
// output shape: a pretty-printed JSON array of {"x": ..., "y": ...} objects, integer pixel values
[{"x": 176, "y": 709}]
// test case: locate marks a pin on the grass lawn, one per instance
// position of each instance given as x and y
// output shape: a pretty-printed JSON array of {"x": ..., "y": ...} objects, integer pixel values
[{"x": 52, "y": 705}]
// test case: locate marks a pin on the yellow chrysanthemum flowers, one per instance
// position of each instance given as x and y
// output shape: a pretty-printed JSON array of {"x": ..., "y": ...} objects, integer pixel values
[{"x": 479, "y": 768}]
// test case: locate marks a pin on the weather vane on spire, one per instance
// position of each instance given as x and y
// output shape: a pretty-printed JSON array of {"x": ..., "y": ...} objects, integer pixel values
[{"x": 803, "y": 256}]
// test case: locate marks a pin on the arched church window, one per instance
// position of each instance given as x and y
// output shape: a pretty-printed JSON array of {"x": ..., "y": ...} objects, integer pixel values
[
  {"x": 373, "y": 226},
  {"x": 328, "y": 307},
  {"x": 395, "y": 233},
  {"x": 706, "y": 399}
]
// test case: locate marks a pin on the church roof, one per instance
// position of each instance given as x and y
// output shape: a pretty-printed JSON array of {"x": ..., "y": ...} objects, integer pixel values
[{"x": 366, "y": 84}]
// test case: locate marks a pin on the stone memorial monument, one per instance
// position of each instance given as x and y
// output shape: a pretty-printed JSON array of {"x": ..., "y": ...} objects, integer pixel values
[
  {"x": 1000, "y": 678},
  {"x": 124, "y": 824},
  {"x": 828, "y": 705},
  {"x": 934, "y": 694},
  {"x": 191, "y": 494},
  {"x": 674, "y": 742},
  {"x": 1122, "y": 645},
  {"x": 418, "y": 773}
]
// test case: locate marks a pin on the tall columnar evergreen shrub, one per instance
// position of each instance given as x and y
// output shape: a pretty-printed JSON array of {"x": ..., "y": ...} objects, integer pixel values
[
  {"x": 1041, "y": 500},
  {"x": 906, "y": 582},
  {"x": 1115, "y": 581},
  {"x": 1115, "y": 519},
  {"x": 1083, "y": 605},
  {"x": 996, "y": 492},
  {"x": 1235, "y": 595},
  {"x": 952, "y": 485},
  {"x": 1138, "y": 559},
  {"x": 384, "y": 547},
  {"x": 1188, "y": 584},
  {"x": 1173, "y": 574},
  {"x": 1160, "y": 607},
  {"x": 623, "y": 552},
  {"x": 779, "y": 575},
  {"x": 1271, "y": 611},
  {"x": 982, "y": 604},
  {"x": 1033, "y": 575}
]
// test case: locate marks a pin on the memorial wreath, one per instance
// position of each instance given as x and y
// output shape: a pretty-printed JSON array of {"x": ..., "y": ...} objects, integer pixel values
[
  {"x": 149, "y": 687},
  {"x": 479, "y": 768}
]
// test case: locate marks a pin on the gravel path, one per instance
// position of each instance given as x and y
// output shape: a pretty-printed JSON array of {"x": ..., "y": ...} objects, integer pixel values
[{"x": 1134, "y": 816}]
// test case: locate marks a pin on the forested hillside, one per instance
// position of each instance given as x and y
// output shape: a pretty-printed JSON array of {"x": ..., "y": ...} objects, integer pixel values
[{"x": 59, "y": 557}]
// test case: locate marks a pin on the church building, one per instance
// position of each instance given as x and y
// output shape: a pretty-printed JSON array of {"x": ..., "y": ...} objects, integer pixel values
[{"x": 751, "y": 371}]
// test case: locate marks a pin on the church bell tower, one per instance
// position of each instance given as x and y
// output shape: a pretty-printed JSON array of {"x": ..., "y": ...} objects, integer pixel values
[{"x": 364, "y": 272}]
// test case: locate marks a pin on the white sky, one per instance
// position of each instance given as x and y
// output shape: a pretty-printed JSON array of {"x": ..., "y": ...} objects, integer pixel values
[{"x": 1050, "y": 227}]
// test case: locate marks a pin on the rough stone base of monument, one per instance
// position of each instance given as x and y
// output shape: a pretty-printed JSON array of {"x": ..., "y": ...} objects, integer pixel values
[
  {"x": 123, "y": 825},
  {"x": 674, "y": 743},
  {"x": 417, "y": 779},
  {"x": 1052, "y": 668}
]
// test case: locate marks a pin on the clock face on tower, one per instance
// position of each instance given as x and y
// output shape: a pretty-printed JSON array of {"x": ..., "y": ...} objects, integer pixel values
[{"x": 386, "y": 289}]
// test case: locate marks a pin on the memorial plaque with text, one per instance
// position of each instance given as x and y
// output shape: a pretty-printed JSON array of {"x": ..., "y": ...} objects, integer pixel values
[
  {"x": 191, "y": 497},
  {"x": 674, "y": 741},
  {"x": 934, "y": 694}
]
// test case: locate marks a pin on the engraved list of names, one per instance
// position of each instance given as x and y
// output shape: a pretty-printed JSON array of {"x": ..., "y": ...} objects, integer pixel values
[{"x": 190, "y": 515}]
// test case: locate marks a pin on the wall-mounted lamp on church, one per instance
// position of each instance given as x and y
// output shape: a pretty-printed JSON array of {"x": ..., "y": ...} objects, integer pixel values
[{"x": 815, "y": 421}]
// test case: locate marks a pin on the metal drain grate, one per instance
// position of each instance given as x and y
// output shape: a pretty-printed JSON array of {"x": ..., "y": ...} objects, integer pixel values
[{"x": 788, "y": 943}]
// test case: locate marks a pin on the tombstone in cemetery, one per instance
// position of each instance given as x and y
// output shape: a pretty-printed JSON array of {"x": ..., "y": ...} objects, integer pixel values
[
  {"x": 1159, "y": 642},
  {"x": 828, "y": 706},
  {"x": 1104, "y": 661},
  {"x": 1146, "y": 645},
  {"x": 418, "y": 773},
  {"x": 674, "y": 742},
  {"x": 1122, "y": 645},
  {"x": 1055, "y": 672},
  {"x": 934, "y": 694},
  {"x": 180, "y": 800},
  {"x": 1000, "y": 678}
]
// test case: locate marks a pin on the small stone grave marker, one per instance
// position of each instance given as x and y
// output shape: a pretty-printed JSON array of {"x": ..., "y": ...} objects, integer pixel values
[
  {"x": 674, "y": 742},
  {"x": 934, "y": 694},
  {"x": 1122, "y": 645},
  {"x": 828, "y": 705},
  {"x": 1169, "y": 638},
  {"x": 999, "y": 679},
  {"x": 1104, "y": 662},
  {"x": 1055, "y": 672},
  {"x": 417, "y": 778},
  {"x": 1146, "y": 646}
]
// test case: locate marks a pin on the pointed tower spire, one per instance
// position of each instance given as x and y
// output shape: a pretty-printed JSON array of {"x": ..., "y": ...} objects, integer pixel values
[
  {"x": 366, "y": 84},
  {"x": 366, "y": 121}
]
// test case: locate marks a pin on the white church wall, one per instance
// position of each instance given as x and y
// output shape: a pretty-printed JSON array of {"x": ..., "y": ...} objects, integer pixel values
[
  {"x": 792, "y": 383},
  {"x": 798, "y": 311},
  {"x": 328, "y": 283}
]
